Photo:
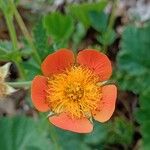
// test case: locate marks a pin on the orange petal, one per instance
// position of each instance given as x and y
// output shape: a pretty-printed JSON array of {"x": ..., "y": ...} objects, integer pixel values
[
  {"x": 38, "y": 93},
  {"x": 57, "y": 62},
  {"x": 107, "y": 103},
  {"x": 76, "y": 125},
  {"x": 96, "y": 61}
]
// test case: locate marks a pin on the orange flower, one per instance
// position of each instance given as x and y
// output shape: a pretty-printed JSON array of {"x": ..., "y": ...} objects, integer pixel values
[{"x": 73, "y": 90}]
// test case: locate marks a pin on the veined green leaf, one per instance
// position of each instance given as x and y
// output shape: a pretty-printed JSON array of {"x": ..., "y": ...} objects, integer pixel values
[
  {"x": 20, "y": 133},
  {"x": 58, "y": 26},
  {"x": 133, "y": 58},
  {"x": 81, "y": 11}
]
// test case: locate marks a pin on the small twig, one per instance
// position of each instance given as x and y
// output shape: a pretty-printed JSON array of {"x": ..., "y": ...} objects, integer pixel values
[{"x": 25, "y": 32}]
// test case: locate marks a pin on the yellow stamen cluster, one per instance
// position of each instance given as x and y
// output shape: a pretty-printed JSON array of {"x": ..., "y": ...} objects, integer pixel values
[{"x": 75, "y": 91}]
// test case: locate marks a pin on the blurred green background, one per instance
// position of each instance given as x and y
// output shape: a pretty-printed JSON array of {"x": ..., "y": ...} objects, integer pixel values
[{"x": 119, "y": 28}]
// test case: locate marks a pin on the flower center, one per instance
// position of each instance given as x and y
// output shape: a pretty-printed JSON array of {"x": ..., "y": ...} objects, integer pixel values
[{"x": 74, "y": 91}]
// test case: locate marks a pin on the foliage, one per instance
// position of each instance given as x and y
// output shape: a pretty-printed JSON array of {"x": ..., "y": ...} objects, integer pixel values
[
  {"x": 142, "y": 116},
  {"x": 41, "y": 39},
  {"x": 22, "y": 133},
  {"x": 59, "y": 26},
  {"x": 118, "y": 131},
  {"x": 81, "y": 11},
  {"x": 100, "y": 22},
  {"x": 133, "y": 72},
  {"x": 133, "y": 61},
  {"x": 121, "y": 132},
  {"x": 78, "y": 35},
  {"x": 77, "y": 26}
]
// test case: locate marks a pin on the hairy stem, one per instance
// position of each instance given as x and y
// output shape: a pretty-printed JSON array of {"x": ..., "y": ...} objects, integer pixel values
[
  {"x": 112, "y": 16},
  {"x": 13, "y": 36},
  {"x": 25, "y": 32},
  {"x": 111, "y": 22},
  {"x": 12, "y": 32}
]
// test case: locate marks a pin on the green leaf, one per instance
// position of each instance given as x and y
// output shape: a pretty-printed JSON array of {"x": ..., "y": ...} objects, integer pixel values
[
  {"x": 21, "y": 133},
  {"x": 133, "y": 74},
  {"x": 5, "y": 6},
  {"x": 98, "y": 135},
  {"x": 68, "y": 140},
  {"x": 97, "y": 138},
  {"x": 134, "y": 64},
  {"x": 6, "y": 51},
  {"x": 133, "y": 59},
  {"x": 41, "y": 40},
  {"x": 40, "y": 36},
  {"x": 145, "y": 131},
  {"x": 58, "y": 26},
  {"x": 121, "y": 132},
  {"x": 99, "y": 20},
  {"x": 142, "y": 116},
  {"x": 81, "y": 11},
  {"x": 6, "y": 46},
  {"x": 78, "y": 35},
  {"x": 31, "y": 68},
  {"x": 107, "y": 38},
  {"x": 144, "y": 99}
]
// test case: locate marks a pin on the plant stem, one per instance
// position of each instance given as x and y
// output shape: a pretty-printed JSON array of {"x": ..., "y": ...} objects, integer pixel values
[
  {"x": 112, "y": 16},
  {"x": 12, "y": 32},
  {"x": 20, "y": 68},
  {"x": 111, "y": 22},
  {"x": 19, "y": 84},
  {"x": 13, "y": 36},
  {"x": 25, "y": 32}
]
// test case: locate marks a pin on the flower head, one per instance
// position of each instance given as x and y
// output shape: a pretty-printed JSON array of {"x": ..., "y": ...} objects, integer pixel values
[
  {"x": 72, "y": 89},
  {"x": 5, "y": 89}
]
